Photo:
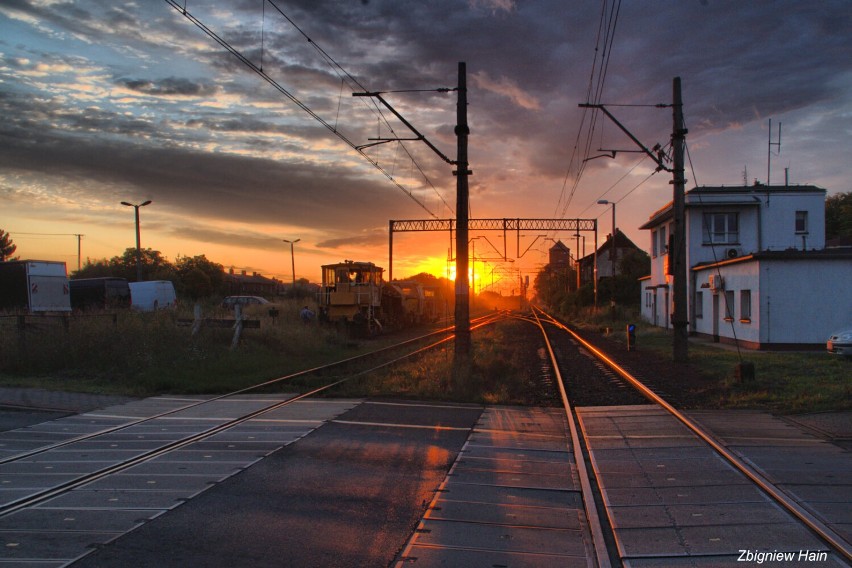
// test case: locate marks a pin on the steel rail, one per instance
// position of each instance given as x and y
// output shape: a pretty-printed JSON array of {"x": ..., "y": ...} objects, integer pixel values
[
  {"x": 41, "y": 496},
  {"x": 589, "y": 503},
  {"x": 821, "y": 529}
]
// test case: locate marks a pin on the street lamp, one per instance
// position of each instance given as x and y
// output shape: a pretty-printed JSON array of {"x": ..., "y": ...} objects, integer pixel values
[
  {"x": 138, "y": 249},
  {"x": 293, "y": 262},
  {"x": 614, "y": 253},
  {"x": 578, "y": 236}
]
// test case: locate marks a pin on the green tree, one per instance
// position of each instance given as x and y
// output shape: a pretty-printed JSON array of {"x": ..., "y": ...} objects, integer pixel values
[
  {"x": 554, "y": 285},
  {"x": 196, "y": 284},
  {"x": 199, "y": 277},
  {"x": 7, "y": 247},
  {"x": 99, "y": 268},
  {"x": 154, "y": 265},
  {"x": 838, "y": 216},
  {"x": 625, "y": 287}
]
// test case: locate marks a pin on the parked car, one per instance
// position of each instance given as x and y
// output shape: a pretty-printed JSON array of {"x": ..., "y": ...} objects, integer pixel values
[
  {"x": 251, "y": 305},
  {"x": 153, "y": 295},
  {"x": 840, "y": 343},
  {"x": 231, "y": 301}
]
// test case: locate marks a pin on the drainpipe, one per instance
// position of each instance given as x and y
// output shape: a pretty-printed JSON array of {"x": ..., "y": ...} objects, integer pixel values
[{"x": 759, "y": 223}]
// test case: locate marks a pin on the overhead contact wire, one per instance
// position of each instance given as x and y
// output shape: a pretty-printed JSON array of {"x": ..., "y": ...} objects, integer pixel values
[{"x": 277, "y": 86}]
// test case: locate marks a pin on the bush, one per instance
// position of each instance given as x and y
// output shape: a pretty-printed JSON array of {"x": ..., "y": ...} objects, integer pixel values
[{"x": 144, "y": 353}]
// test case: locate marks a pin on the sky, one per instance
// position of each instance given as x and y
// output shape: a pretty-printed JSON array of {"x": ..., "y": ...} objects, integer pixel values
[{"x": 105, "y": 101}]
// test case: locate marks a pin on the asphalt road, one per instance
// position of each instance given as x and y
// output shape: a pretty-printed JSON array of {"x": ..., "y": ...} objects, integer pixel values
[
  {"x": 12, "y": 419},
  {"x": 349, "y": 494}
]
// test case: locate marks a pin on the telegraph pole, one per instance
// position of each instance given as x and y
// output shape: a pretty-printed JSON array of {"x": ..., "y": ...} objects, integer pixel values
[
  {"x": 677, "y": 266},
  {"x": 462, "y": 315},
  {"x": 680, "y": 317},
  {"x": 79, "y": 250}
]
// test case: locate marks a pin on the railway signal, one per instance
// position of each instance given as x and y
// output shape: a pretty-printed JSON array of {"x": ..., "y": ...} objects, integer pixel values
[{"x": 631, "y": 337}]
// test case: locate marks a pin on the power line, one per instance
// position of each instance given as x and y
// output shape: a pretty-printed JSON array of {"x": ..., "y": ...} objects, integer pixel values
[
  {"x": 588, "y": 123},
  {"x": 338, "y": 70},
  {"x": 46, "y": 234}
]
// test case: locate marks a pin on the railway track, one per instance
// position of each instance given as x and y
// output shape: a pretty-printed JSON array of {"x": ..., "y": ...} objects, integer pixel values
[
  {"x": 639, "y": 484},
  {"x": 639, "y": 452}
]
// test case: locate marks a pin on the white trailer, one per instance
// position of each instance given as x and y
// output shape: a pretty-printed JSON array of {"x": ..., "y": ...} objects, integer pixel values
[{"x": 34, "y": 286}]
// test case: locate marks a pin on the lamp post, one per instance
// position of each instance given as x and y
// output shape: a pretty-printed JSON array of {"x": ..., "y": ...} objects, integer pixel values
[
  {"x": 614, "y": 249},
  {"x": 138, "y": 247},
  {"x": 293, "y": 261},
  {"x": 578, "y": 236}
]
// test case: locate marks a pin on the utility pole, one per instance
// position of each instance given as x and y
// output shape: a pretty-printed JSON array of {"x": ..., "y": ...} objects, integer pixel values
[
  {"x": 79, "y": 249},
  {"x": 462, "y": 315},
  {"x": 138, "y": 247},
  {"x": 680, "y": 317},
  {"x": 293, "y": 262}
]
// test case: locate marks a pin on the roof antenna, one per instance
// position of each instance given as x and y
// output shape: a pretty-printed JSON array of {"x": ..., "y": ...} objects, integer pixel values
[{"x": 769, "y": 149}]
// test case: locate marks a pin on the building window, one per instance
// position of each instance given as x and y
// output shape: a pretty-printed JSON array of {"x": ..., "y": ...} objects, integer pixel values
[
  {"x": 745, "y": 306},
  {"x": 664, "y": 244},
  {"x": 699, "y": 304},
  {"x": 721, "y": 229},
  {"x": 729, "y": 305},
  {"x": 801, "y": 221},
  {"x": 654, "y": 244}
]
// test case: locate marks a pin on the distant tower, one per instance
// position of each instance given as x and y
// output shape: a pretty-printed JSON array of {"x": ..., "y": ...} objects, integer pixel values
[{"x": 560, "y": 255}]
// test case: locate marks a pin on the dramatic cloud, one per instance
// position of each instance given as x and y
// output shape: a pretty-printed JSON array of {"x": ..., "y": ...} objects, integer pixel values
[{"x": 106, "y": 101}]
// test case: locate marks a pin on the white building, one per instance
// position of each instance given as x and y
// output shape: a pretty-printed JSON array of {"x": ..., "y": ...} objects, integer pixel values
[{"x": 759, "y": 272}]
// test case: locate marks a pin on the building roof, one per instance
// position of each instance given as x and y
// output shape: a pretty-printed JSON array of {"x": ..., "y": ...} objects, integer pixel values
[
  {"x": 560, "y": 245},
  {"x": 799, "y": 255},
  {"x": 622, "y": 241},
  {"x": 664, "y": 214},
  {"x": 756, "y": 188},
  {"x": 255, "y": 278}
]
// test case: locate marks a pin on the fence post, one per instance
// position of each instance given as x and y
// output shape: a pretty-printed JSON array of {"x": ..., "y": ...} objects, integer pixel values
[
  {"x": 238, "y": 326},
  {"x": 196, "y": 324}
]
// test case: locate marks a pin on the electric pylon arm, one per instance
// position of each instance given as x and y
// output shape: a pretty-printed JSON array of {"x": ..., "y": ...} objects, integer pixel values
[
  {"x": 656, "y": 154},
  {"x": 410, "y": 126}
]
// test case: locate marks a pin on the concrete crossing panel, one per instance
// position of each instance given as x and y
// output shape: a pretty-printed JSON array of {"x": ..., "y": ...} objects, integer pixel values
[
  {"x": 672, "y": 497},
  {"x": 510, "y": 499}
]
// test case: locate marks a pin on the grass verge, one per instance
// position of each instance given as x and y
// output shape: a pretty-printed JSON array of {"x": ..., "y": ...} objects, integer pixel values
[{"x": 785, "y": 382}]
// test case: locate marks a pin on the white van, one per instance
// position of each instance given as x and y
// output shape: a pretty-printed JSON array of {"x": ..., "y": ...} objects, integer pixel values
[{"x": 153, "y": 295}]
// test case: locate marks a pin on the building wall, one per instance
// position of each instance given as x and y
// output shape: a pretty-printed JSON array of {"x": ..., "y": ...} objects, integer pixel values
[
  {"x": 804, "y": 302},
  {"x": 726, "y": 319},
  {"x": 656, "y": 305},
  {"x": 779, "y": 218},
  {"x": 659, "y": 253},
  {"x": 766, "y": 222},
  {"x": 793, "y": 302}
]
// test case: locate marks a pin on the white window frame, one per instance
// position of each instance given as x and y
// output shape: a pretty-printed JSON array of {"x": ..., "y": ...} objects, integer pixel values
[
  {"x": 803, "y": 217},
  {"x": 730, "y": 306},
  {"x": 725, "y": 228},
  {"x": 745, "y": 306}
]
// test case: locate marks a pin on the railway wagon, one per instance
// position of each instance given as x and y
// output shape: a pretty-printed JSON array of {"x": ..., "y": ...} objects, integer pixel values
[
  {"x": 351, "y": 295},
  {"x": 408, "y": 302}
]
